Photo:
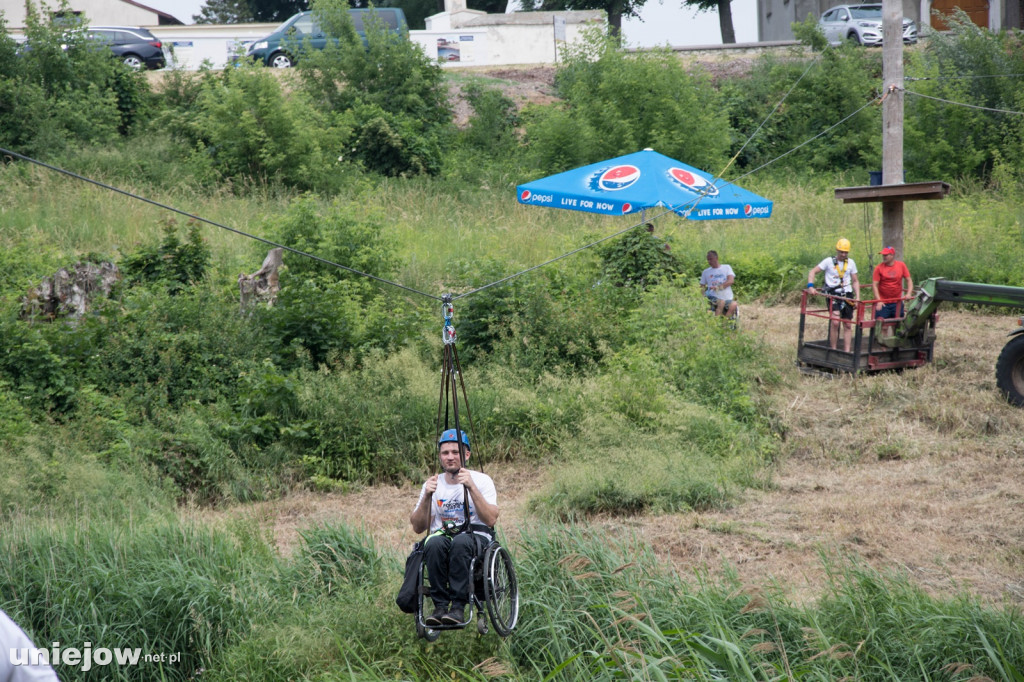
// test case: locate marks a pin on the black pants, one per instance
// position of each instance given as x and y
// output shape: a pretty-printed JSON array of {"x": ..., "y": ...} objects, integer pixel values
[{"x": 447, "y": 560}]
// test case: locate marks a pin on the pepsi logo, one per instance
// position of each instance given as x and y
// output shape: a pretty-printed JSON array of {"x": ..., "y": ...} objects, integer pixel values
[
  {"x": 692, "y": 181},
  {"x": 525, "y": 196},
  {"x": 747, "y": 210},
  {"x": 626, "y": 208},
  {"x": 618, "y": 177}
]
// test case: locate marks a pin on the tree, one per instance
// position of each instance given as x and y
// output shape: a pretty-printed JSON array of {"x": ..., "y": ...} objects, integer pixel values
[
  {"x": 724, "y": 16},
  {"x": 247, "y": 11},
  {"x": 616, "y": 9}
]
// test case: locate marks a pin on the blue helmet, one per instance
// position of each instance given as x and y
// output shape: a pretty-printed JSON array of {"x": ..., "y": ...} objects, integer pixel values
[{"x": 450, "y": 436}]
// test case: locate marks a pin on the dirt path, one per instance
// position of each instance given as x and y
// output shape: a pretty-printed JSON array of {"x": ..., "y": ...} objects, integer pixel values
[{"x": 920, "y": 471}]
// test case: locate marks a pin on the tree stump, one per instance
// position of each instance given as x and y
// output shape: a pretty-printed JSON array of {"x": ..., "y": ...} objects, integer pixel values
[
  {"x": 261, "y": 286},
  {"x": 70, "y": 293}
]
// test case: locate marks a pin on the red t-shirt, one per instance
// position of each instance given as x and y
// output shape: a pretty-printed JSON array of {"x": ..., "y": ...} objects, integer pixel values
[{"x": 890, "y": 280}]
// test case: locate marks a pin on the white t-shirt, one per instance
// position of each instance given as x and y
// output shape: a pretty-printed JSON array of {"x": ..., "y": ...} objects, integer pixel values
[
  {"x": 713, "y": 277},
  {"x": 447, "y": 504},
  {"x": 838, "y": 272},
  {"x": 13, "y": 637}
]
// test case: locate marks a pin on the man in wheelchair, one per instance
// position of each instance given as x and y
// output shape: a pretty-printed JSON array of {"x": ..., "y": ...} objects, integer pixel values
[{"x": 451, "y": 545}]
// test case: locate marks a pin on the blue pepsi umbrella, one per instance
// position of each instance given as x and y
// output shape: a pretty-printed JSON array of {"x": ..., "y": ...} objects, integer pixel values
[{"x": 640, "y": 181}]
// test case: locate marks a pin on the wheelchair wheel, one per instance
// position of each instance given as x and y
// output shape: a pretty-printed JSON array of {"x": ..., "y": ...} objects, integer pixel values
[{"x": 501, "y": 589}]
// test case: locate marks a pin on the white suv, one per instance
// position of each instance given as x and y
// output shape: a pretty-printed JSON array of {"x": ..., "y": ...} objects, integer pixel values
[{"x": 860, "y": 24}]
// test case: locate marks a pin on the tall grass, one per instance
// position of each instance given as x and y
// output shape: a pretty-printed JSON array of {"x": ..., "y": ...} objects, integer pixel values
[
  {"x": 164, "y": 588},
  {"x": 593, "y": 607}
]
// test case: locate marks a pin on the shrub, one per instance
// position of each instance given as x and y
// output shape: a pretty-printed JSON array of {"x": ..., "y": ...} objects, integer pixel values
[
  {"x": 392, "y": 144},
  {"x": 967, "y": 64},
  {"x": 63, "y": 89},
  {"x": 352, "y": 234},
  {"x": 393, "y": 93},
  {"x": 243, "y": 127},
  {"x": 38, "y": 372},
  {"x": 557, "y": 140},
  {"x": 842, "y": 82},
  {"x": 324, "y": 312},
  {"x": 544, "y": 322},
  {"x": 172, "y": 262},
  {"x": 161, "y": 349},
  {"x": 371, "y": 424},
  {"x": 633, "y": 101},
  {"x": 492, "y": 125},
  {"x": 638, "y": 258}
]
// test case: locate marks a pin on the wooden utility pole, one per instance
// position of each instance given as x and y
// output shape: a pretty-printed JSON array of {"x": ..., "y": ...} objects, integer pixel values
[{"x": 892, "y": 120}]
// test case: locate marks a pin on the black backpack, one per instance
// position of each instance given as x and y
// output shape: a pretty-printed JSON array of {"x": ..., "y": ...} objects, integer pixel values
[{"x": 409, "y": 593}]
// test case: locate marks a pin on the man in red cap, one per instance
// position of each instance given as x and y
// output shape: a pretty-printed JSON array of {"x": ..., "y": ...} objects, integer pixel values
[{"x": 891, "y": 283}]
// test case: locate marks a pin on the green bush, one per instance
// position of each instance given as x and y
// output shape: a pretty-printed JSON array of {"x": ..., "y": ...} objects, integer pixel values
[
  {"x": 785, "y": 117},
  {"x": 160, "y": 349},
  {"x": 242, "y": 127},
  {"x": 546, "y": 322},
  {"x": 492, "y": 125},
  {"x": 172, "y": 262},
  {"x": 62, "y": 89},
  {"x": 392, "y": 144},
  {"x": 324, "y": 312},
  {"x": 633, "y": 101},
  {"x": 638, "y": 258},
  {"x": 968, "y": 65},
  {"x": 395, "y": 96},
  {"x": 350, "y": 233},
  {"x": 38, "y": 372},
  {"x": 371, "y": 424},
  {"x": 557, "y": 140}
]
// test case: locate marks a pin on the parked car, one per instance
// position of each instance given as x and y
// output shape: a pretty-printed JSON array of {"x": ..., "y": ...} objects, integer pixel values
[
  {"x": 281, "y": 48},
  {"x": 861, "y": 24},
  {"x": 136, "y": 47}
]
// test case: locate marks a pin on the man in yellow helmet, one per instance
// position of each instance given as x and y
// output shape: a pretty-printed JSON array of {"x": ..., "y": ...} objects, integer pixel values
[{"x": 843, "y": 289}]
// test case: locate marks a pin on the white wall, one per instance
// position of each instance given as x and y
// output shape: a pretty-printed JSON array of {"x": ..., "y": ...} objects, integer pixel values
[
  {"x": 526, "y": 38},
  {"x": 495, "y": 45},
  {"x": 98, "y": 12},
  {"x": 215, "y": 44}
]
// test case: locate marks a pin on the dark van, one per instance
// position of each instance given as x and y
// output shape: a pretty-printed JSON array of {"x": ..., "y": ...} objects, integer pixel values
[{"x": 278, "y": 48}]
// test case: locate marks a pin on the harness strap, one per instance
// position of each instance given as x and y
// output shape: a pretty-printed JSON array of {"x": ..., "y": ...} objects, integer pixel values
[{"x": 481, "y": 528}]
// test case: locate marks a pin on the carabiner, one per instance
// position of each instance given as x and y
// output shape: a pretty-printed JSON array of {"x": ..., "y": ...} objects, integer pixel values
[{"x": 448, "y": 312}]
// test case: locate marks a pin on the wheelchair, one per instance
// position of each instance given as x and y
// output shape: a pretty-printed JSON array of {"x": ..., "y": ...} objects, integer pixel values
[
  {"x": 495, "y": 591},
  {"x": 734, "y": 319}
]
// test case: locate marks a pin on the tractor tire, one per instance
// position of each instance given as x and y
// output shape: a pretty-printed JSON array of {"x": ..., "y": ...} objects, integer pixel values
[{"x": 1010, "y": 371}]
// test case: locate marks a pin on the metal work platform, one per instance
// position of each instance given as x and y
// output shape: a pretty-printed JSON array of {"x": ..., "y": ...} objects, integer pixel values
[{"x": 867, "y": 353}]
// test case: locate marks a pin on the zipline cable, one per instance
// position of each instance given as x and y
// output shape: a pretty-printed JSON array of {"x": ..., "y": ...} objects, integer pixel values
[
  {"x": 811, "y": 139},
  {"x": 766, "y": 118},
  {"x": 215, "y": 224},
  {"x": 948, "y": 78},
  {"x": 963, "y": 104}
]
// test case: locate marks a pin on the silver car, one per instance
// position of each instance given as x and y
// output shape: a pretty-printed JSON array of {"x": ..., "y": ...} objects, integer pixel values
[{"x": 861, "y": 24}]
